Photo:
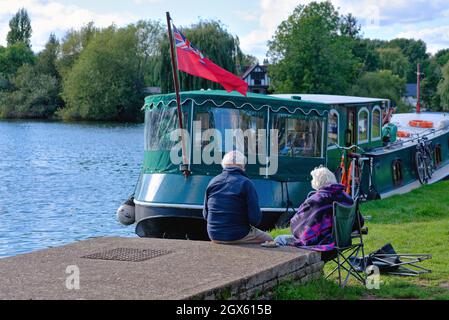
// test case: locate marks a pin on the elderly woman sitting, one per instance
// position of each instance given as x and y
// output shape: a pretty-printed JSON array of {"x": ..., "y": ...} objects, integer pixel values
[
  {"x": 231, "y": 205},
  {"x": 312, "y": 224}
]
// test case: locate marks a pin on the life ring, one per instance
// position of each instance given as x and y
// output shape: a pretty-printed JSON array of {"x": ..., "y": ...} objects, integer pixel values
[
  {"x": 403, "y": 134},
  {"x": 421, "y": 124}
]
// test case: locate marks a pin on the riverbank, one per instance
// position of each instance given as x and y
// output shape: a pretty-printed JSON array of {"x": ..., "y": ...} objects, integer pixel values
[{"x": 417, "y": 222}]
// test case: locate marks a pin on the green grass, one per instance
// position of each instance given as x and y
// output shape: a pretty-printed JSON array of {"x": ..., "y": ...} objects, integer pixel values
[{"x": 417, "y": 222}]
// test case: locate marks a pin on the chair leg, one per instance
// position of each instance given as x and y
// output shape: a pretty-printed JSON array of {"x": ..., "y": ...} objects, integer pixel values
[
  {"x": 339, "y": 267},
  {"x": 333, "y": 271}
]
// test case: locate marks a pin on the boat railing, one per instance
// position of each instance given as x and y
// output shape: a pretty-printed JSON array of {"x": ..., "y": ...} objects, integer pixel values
[{"x": 417, "y": 136}]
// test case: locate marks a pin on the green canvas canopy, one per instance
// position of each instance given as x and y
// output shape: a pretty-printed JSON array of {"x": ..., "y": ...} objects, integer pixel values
[
  {"x": 234, "y": 99},
  {"x": 269, "y": 111}
]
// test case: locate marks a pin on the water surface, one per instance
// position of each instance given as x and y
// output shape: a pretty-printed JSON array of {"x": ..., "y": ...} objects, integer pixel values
[{"x": 63, "y": 182}]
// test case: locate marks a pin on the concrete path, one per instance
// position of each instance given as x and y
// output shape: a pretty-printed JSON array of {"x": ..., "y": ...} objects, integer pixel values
[{"x": 153, "y": 269}]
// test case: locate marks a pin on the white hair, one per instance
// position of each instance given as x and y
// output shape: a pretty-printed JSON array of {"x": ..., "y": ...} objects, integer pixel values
[
  {"x": 233, "y": 159},
  {"x": 322, "y": 177}
]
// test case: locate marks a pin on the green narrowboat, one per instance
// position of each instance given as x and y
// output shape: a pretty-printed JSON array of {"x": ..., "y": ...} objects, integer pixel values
[{"x": 346, "y": 134}]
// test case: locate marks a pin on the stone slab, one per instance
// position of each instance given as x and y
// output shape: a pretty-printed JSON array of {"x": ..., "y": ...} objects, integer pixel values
[{"x": 180, "y": 270}]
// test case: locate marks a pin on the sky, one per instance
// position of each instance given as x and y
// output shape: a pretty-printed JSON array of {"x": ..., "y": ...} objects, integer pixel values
[{"x": 253, "y": 21}]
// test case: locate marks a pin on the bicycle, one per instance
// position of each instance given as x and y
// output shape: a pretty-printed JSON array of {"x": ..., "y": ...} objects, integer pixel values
[
  {"x": 353, "y": 179},
  {"x": 425, "y": 166}
]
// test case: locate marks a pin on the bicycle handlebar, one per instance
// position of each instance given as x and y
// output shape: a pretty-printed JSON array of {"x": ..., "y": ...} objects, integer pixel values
[{"x": 349, "y": 148}]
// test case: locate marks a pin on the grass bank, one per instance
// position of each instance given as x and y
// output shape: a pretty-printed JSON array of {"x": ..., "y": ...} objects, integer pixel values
[{"x": 417, "y": 222}]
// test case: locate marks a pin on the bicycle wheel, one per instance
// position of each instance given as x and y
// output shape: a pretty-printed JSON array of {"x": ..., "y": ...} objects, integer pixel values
[
  {"x": 421, "y": 169},
  {"x": 430, "y": 166}
]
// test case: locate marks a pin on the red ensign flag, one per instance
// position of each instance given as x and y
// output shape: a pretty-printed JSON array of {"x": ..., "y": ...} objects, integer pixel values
[{"x": 192, "y": 61}]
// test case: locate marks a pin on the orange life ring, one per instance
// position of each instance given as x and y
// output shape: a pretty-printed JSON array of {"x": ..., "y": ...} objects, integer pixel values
[
  {"x": 421, "y": 124},
  {"x": 403, "y": 134}
]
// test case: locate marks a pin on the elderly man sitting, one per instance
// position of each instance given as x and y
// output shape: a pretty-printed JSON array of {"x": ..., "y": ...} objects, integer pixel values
[
  {"x": 312, "y": 225},
  {"x": 231, "y": 205}
]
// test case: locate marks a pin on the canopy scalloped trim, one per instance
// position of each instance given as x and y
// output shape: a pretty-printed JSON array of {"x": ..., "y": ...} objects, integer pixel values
[{"x": 291, "y": 110}]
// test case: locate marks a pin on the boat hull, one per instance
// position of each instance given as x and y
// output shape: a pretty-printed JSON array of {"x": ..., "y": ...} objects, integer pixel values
[{"x": 183, "y": 223}]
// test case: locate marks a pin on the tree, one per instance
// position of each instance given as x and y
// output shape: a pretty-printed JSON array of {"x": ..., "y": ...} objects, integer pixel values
[
  {"x": 13, "y": 57},
  {"x": 381, "y": 84},
  {"x": 393, "y": 59},
  {"x": 349, "y": 26},
  {"x": 429, "y": 85},
  {"x": 34, "y": 95},
  {"x": 414, "y": 50},
  {"x": 46, "y": 60},
  {"x": 443, "y": 88},
  {"x": 20, "y": 29},
  {"x": 442, "y": 57},
  {"x": 308, "y": 54},
  {"x": 102, "y": 83},
  {"x": 72, "y": 44},
  {"x": 149, "y": 36}
]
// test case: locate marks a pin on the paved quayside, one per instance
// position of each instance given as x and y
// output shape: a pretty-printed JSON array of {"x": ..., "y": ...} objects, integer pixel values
[{"x": 140, "y": 268}]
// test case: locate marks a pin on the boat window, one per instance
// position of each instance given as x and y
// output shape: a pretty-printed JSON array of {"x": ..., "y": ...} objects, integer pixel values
[
  {"x": 397, "y": 172},
  {"x": 437, "y": 156},
  {"x": 350, "y": 132},
  {"x": 333, "y": 128},
  {"x": 159, "y": 123},
  {"x": 224, "y": 119},
  {"x": 363, "y": 125},
  {"x": 376, "y": 123},
  {"x": 299, "y": 137}
]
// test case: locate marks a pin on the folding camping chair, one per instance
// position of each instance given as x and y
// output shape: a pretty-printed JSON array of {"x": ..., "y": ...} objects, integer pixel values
[
  {"x": 342, "y": 231},
  {"x": 390, "y": 262}
]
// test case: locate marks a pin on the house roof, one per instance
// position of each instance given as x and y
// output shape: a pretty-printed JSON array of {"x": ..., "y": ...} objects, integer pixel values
[
  {"x": 411, "y": 89},
  {"x": 250, "y": 69}
]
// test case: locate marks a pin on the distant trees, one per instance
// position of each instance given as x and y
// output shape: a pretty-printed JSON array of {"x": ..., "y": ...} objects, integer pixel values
[
  {"x": 104, "y": 83},
  {"x": 310, "y": 54},
  {"x": 316, "y": 50},
  {"x": 443, "y": 88},
  {"x": 100, "y": 73},
  {"x": 33, "y": 88},
  {"x": 20, "y": 29},
  {"x": 13, "y": 57},
  {"x": 34, "y": 95},
  {"x": 380, "y": 84},
  {"x": 392, "y": 58}
]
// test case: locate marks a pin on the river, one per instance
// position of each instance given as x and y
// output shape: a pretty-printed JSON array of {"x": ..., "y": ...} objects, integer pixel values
[{"x": 62, "y": 182}]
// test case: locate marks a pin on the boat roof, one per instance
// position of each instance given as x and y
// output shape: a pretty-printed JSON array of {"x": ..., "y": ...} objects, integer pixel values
[
  {"x": 330, "y": 99},
  {"x": 221, "y": 98},
  {"x": 402, "y": 120}
]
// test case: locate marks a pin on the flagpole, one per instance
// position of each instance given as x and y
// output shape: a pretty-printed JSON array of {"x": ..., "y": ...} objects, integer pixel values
[{"x": 184, "y": 166}]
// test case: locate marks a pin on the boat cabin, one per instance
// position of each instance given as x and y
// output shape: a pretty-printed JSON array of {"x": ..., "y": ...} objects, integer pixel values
[{"x": 352, "y": 121}]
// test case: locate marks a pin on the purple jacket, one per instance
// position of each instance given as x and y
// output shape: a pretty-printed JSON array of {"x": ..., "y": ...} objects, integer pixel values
[{"x": 312, "y": 224}]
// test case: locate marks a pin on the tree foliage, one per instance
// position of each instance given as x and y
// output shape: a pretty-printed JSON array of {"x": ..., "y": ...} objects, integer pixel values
[
  {"x": 380, "y": 84},
  {"x": 443, "y": 88},
  {"x": 20, "y": 29},
  {"x": 13, "y": 57},
  {"x": 106, "y": 82},
  {"x": 393, "y": 59},
  {"x": 72, "y": 44},
  {"x": 309, "y": 54},
  {"x": 34, "y": 95}
]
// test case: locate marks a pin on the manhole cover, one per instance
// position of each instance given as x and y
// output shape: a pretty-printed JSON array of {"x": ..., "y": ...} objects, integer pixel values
[{"x": 126, "y": 254}]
